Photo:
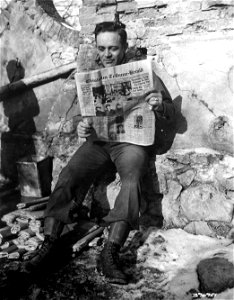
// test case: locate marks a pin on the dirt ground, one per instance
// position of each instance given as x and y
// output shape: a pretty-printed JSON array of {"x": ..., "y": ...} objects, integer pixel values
[{"x": 70, "y": 277}]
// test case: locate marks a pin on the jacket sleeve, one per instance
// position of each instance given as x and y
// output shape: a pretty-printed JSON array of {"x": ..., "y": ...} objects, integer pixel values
[{"x": 168, "y": 112}]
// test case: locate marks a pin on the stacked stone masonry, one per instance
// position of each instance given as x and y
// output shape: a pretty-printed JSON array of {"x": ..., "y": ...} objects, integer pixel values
[{"x": 198, "y": 189}]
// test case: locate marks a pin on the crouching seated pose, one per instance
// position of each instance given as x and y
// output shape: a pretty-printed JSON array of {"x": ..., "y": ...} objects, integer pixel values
[{"x": 94, "y": 157}]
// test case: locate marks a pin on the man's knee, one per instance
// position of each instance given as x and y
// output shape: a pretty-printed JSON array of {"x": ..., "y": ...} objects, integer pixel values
[
  {"x": 131, "y": 180},
  {"x": 134, "y": 168}
]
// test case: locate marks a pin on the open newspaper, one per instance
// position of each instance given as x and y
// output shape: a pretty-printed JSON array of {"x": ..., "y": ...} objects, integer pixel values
[{"x": 114, "y": 100}]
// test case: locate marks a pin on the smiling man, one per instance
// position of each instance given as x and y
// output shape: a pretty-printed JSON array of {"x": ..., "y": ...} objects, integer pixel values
[
  {"x": 93, "y": 158},
  {"x": 111, "y": 45}
]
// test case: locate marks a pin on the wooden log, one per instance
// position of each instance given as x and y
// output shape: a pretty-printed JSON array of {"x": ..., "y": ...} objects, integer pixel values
[
  {"x": 6, "y": 233},
  {"x": 26, "y": 234},
  {"x": 4, "y": 254},
  {"x": 10, "y": 232},
  {"x": 11, "y": 249},
  {"x": 40, "y": 206},
  {"x": 24, "y": 214},
  {"x": 9, "y": 219},
  {"x": 91, "y": 234},
  {"x": 36, "y": 80},
  {"x": 5, "y": 245},
  {"x": 17, "y": 254},
  {"x": 31, "y": 203}
]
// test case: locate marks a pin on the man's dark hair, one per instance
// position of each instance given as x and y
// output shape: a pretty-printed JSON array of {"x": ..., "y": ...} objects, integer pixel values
[{"x": 112, "y": 27}]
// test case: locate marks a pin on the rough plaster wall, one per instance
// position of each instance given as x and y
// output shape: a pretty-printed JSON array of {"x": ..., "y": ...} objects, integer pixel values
[
  {"x": 194, "y": 69},
  {"x": 191, "y": 40},
  {"x": 27, "y": 35}
]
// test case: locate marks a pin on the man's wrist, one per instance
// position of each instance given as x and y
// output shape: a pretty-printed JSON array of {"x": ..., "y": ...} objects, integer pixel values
[{"x": 159, "y": 108}]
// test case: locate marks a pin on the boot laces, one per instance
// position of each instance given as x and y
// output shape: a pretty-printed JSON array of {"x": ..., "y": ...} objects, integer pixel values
[
  {"x": 113, "y": 254},
  {"x": 110, "y": 263},
  {"x": 45, "y": 247}
]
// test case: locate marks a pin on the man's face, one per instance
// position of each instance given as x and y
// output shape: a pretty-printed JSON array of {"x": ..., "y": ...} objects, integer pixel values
[{"x": 110, "y": 49}]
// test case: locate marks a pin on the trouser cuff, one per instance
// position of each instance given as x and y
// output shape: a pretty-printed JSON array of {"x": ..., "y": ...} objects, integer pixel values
[{"x": 53, "y": 227}]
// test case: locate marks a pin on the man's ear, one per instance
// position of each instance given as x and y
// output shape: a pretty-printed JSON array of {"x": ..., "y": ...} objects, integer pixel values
[{"x": 126, "y": 46}]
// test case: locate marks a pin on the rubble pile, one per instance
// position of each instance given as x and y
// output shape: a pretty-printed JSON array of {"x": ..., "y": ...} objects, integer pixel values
[{"x": 23, "y": 233}]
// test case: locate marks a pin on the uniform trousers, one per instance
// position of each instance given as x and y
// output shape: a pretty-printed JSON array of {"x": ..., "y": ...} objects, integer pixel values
[{"x": 88, "y": 163}]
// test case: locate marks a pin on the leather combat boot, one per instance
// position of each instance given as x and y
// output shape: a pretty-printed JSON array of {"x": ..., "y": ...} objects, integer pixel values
[
  {"x": 52, "y": 230},
  {"x": 109, "y": 257}
]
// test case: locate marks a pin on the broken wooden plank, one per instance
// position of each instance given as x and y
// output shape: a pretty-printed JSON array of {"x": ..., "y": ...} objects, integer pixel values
[
  {"x": 36, "y": 80},
  {"x": 31, "y": 203},
  {"x": 91, "y": 234},
  {"x": 40, "y": 206}
]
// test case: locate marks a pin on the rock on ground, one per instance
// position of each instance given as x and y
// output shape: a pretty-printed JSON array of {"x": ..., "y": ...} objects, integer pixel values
[{"x": 215, "y": 275}]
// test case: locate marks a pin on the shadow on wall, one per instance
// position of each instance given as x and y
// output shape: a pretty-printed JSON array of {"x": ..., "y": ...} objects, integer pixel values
[
  {"x": 180, "y": 121},
  {"x": 166, "y": 131},
  {"x": 19, "y": 108}
]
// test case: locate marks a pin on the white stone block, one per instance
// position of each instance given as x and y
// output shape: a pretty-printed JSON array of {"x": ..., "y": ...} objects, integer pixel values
[
  {"x": 205, "y": 203},
  {"x": 4, "y": 3}
]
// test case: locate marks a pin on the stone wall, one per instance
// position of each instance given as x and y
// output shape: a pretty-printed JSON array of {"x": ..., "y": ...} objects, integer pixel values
[
  {"x": 198, "y": 191},
  {"x": 192, "y": 42}
]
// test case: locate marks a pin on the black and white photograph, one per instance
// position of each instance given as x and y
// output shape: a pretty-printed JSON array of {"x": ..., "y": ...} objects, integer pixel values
[{"x": 116, "y": 150}]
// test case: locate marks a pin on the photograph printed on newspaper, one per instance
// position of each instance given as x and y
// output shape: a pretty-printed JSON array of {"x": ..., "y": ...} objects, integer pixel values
[{"x": 114, "y": 98}]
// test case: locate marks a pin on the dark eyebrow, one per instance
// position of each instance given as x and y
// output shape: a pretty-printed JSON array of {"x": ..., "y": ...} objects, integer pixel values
[{"x": 114, "y": 46}]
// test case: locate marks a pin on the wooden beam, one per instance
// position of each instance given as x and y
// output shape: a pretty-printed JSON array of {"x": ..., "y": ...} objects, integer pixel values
[{"x": 36, "y": 80}]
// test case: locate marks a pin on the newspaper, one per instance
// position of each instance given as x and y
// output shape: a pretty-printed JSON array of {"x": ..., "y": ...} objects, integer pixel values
[{"x": 114, "y": 100}]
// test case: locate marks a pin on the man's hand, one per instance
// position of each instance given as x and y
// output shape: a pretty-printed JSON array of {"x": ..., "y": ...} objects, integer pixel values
[
  {"x": 84, "y": 128},
  {"x": 155, "y": 100}
]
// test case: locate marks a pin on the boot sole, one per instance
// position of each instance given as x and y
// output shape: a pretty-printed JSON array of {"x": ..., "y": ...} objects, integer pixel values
[
  {"x": 112, "y": 280},
  {"x": 116, "y": 280}
]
